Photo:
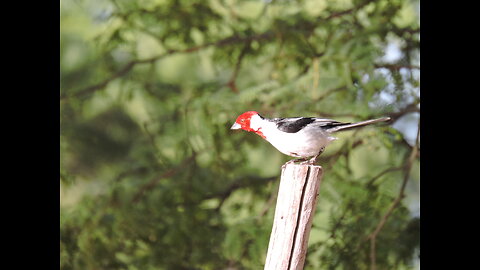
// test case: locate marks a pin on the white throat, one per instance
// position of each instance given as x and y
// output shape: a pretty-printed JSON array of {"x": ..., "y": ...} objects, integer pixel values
[{"x": 256, "y": 122}]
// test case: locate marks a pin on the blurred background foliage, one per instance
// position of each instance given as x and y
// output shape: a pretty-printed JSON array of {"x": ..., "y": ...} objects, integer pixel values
[{"x": 151, "y": 176}]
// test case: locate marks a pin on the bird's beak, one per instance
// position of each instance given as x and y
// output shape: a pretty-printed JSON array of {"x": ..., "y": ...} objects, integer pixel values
[{"x": 236, "y": 126}]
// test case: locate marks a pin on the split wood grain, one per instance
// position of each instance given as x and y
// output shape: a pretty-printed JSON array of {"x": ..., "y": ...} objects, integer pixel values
[{"x": 296, "y": 203}]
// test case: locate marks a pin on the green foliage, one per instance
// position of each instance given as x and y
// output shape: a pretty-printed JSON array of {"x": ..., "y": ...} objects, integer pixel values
[{"x": 153, "y": 178}]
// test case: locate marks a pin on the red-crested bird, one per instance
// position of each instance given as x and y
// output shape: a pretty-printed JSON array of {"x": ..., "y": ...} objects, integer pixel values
[{"x": 300, "y": 137}]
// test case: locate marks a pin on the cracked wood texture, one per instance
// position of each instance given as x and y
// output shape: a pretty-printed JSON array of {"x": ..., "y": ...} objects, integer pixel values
[{"x": 296, "y": 202}]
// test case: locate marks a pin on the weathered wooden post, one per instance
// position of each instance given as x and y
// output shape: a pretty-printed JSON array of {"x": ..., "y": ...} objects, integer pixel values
[{"x": 296, "y": 201}]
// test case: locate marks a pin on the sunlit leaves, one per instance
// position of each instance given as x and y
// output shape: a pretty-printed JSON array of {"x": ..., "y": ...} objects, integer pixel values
[{"x": 171, "y": 186}]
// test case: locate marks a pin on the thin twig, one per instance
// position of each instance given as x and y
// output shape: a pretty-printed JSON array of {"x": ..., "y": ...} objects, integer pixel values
[
  {"x": 345, "y": 12},
  {"x": 330, "y": 160},
  {"x": 329, "y": 92},
  {"x": 268, "y": 204},
  {"x": 382, "y": 173},
  {"x": 231, "y": 82},
  {"x": 396, "y": 66},
  {"x": 339, "y": 221},
  {"x": 410, "y": 108},
  {"x": 235, "y": 185},
  {"x": 169, "y": 173}
]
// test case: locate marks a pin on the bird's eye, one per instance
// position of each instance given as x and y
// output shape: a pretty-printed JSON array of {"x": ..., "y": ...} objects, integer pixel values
[{"x": 242, "y": 120}]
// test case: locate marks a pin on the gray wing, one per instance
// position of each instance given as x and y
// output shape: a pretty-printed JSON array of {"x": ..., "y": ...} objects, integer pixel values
[{"x": 295, "y": 124}]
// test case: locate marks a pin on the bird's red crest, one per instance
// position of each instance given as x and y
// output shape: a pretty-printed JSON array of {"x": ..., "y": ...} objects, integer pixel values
[{"x": 244, "y": 120}]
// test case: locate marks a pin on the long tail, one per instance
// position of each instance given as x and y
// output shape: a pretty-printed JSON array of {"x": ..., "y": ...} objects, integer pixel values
[{"x": 358, "y": 124}]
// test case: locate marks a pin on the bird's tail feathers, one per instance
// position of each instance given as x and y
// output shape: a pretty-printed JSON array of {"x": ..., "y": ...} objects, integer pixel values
[{"x": 358, "y": 124}]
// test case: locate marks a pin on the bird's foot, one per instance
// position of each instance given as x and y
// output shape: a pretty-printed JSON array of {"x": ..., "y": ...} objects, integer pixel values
[
  {"x": 292, "y": 161},
  {"x": 311, "y": 161},
  {"x": 305, "y": 161}
]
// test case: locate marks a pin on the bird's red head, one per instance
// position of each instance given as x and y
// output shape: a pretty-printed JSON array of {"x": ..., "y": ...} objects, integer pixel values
[{"x": 243, "y": 121}]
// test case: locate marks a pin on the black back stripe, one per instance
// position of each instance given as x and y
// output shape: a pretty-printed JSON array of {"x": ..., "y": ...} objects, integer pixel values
[
  {"x": 292, "y": 126},
  {"x": 333, "y": 124}
]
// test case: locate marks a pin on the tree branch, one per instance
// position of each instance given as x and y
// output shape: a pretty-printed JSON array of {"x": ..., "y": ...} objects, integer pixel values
[
  {"x": 373, "y": 236},
  {"x": 223, "y": 42},
  {"x": 129, "y": 66},
  {"x": 231, "y": 82},
  {"x": 347, "y": 11},
  {"x": 396, "y": 66},
  {"x": 268, "y": 204},
  {"x": 344, "y": 150},
  {"x": 235, "y": 185},
  {"x": 382, "y": 173},
  {"x": 412, "y": 107}
]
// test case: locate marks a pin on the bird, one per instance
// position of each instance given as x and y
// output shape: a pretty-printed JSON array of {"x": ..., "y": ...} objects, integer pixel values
[{"x": 304, "y": 138}]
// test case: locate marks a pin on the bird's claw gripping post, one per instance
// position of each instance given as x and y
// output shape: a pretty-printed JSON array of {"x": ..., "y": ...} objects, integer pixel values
[
  {"x": 288, "y": 162},
  {"x": 292, "y": 161},
  {"x": 304, "y": 161}
]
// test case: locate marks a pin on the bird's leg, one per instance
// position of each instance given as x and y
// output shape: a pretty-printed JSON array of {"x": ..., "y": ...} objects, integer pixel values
[
  {"x": 292, "y": 161},
  {"x": 313, "y": 160}
]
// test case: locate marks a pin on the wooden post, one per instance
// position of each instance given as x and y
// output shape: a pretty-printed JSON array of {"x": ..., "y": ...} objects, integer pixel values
[{"x": 296, "y": 201}]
